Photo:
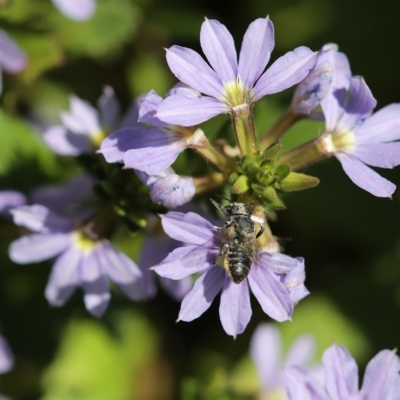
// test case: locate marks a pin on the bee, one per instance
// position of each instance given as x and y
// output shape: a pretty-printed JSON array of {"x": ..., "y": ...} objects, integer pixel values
[{"x": 238, "y": 239}]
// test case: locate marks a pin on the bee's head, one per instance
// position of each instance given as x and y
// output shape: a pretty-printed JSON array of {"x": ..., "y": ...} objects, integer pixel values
[{"x": 233, "y": 209}]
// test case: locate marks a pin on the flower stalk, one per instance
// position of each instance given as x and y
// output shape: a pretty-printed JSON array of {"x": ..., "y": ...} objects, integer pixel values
[
  {"x": 278, "y": 129},
  {"x": 245, "y": 133}
]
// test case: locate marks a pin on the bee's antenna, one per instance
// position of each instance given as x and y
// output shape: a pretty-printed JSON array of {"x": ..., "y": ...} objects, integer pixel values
[
  {"x": 225, "y": 198},
  {"x": 216, "y": 204}
]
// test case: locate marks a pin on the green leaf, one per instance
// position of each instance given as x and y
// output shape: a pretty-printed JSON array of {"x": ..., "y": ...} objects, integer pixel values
[
  {"x": 43, "y": 51},
  {"x": 92, "y": 364},
  {"x": 114, "y": 24},
  {"x": 20, "y": 144}
]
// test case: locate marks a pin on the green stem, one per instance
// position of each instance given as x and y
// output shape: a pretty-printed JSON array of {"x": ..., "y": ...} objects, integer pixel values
[
  {"x": 284, "y": 122},
  {"x": 207, "y": 182},
  {"x": 245, "y": 133},
  {"x": 224, "y": 163},
  {"x": 302, "y": 156}
]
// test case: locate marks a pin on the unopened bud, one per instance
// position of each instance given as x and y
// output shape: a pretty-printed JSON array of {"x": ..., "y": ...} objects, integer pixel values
[
  {"x": 241, "y": 185},
  {"x": 295, "y": 181}
]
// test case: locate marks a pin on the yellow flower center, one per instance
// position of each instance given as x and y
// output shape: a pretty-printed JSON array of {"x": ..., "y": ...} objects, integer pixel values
[
  {"x": 236, "y": 94},
  {"x": 331, "y": 143},
  {"x": 97, "y": 137},
  {"x": 83, "y": 242}
]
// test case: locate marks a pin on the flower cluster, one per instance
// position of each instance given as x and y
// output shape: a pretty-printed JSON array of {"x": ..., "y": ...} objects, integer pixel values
[{"x": 140, "y": 169}]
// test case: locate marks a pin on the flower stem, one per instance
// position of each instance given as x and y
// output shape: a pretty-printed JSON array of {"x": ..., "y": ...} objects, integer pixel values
[
  {"x": 208, "y": 182},
  {"x": 302, "y": 156},
  {"x": 284, "y": 122},
  {"x": 216, "y": 156},
  {"x": 245, "y": 133}
]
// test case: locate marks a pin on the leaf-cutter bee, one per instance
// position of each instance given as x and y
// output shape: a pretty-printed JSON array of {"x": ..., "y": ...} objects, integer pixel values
[{"x": 238, "y": 238}]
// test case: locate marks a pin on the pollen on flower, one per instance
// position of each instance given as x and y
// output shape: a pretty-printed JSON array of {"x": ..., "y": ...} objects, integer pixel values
[
  {"x": 329, "y": 143},
  {"x": 83, "y": 242},
  {"x": 235, "y": 94},
  {"x": 97, "y": 137}
]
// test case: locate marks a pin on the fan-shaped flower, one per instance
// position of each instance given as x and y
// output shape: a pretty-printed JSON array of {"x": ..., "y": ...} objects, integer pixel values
[
  {"x": 276, "y": 280},
  {"x": 81, "y": 260},
  {"x": 230, "y": 84},
  {"x": 381, "y": 379}
]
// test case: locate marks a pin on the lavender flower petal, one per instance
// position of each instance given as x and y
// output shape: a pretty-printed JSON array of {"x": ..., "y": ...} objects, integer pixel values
[
  {"x": 78, "y": 10},
  {"x": 189, "y": 111},
  {"x": 118, "y": 143},
  {"x": 302, "y": 351},
  {"x": 38, "y": 247},
  {"x": 384, "y": 155},
  {"x": 95, "y": 286},
  {"x": 39, "y": 218},
  {"x": 294, "y": 281},
  {"x": 66, "y": 143},
  {"x": 109, "y": 108},
  {"x": 6, "y": 356},
  {"x": 300, "y": 385},
  {"x": 218, "y": 46},
  {"x": 235, "y": 309},
  {"x": 285, "y": 72},
  {"x": 188, "y": 227},
  {"x": 131, "y": 117},
  {"x": 365, "y": 177},
  {"x": 64, "y": 199},
  {"x": 184, "y": 261},
  {"x": 265, "y": 351},
  {"x": 382, "y": 126},
  {"x": 64, "y": 277},
  {"x": 153, "y": 160},
  {"x": 332, "y": 104},
  {"x": 172, "y": 190},
  {"x": 199, "y": 299},
  {"x": 123, "y": 272},
  {"x": 181, "y": 89},
  {"x": 341, "y": 372},
  {"x": 382, "y": 379},
  {"x": 10, "y": 199},
  {"x": 82, "y": 117},
  {"x": 271, "y": 294},
  {"x": 359, "y": 105},
  {"x": 190, "y": 68},
  {"x": 12, "y": 59},
  {"x": 257, "y": 46},
  {"x": 148, "y": 108}
]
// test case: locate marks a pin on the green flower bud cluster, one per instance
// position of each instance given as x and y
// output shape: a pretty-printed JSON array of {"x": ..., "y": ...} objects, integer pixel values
[{"x": 262, "y": 177}]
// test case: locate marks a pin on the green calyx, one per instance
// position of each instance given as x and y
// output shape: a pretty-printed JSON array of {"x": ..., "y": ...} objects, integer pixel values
[{"x": 261, "y": 177}]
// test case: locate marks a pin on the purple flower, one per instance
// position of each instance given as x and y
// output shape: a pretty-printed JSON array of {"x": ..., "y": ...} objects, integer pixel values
[
  {"x": 266, "y": 353},
  {"x": 10, "y": 199},
  {"x": 78, "y": 10},
  {"x": 311, "y": 90},
  {"x": 230, "y": 84},
  {"x": 357, "y": 138},
  {"x": 80, "y": 259},
  {"x": 6, "y": 356},
  {"x": 83, "y": 127},
  {"x": 149, "y": 149},
  {"x": 154, "y": 249},
  {"x": 353, "y": 135},
  {"x": 168, "y": 188},
  {"x": 273, "y": 278},
  {"x": 381, "y": 379},
  {"x": 12, "y": 59}
]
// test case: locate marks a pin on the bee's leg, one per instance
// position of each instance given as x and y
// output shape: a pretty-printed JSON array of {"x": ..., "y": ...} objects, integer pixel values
[{"x": 260, "y": 232}]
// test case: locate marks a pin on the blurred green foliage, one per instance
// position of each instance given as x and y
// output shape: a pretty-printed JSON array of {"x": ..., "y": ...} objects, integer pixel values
[{"x": 349, "y": 239}]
